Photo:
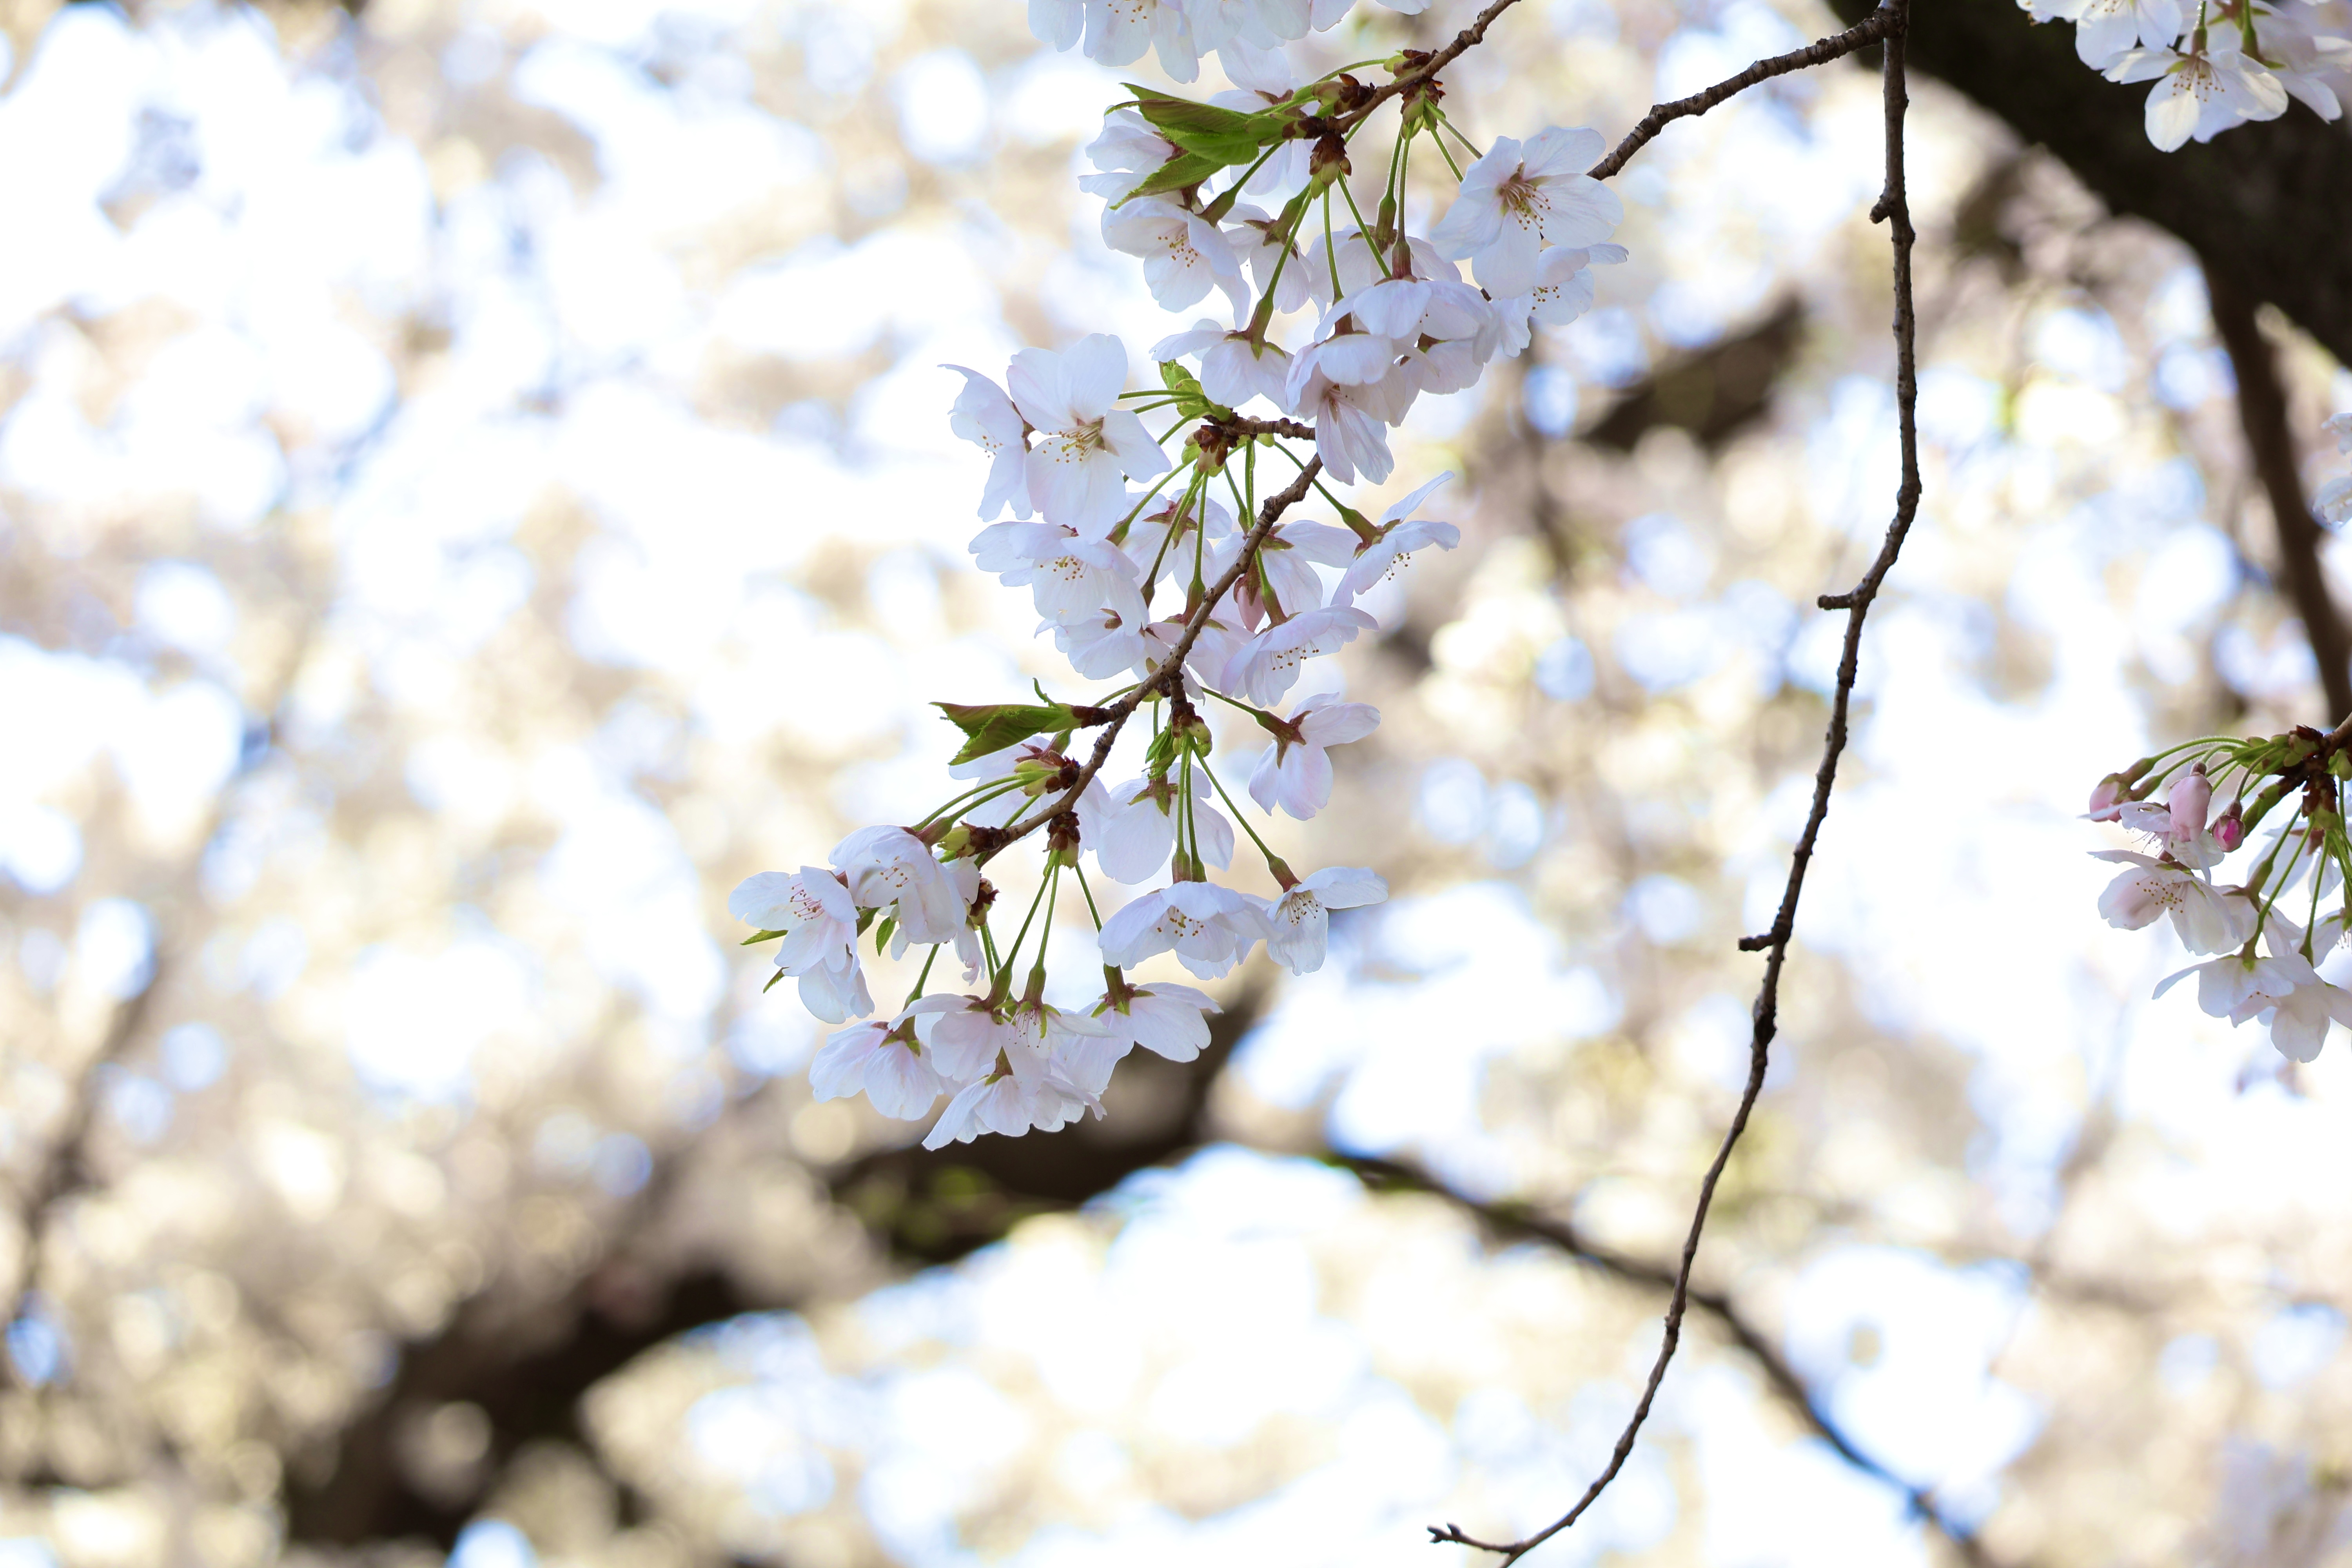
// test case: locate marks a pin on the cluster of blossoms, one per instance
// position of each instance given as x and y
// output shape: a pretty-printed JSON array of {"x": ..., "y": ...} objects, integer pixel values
[
  {"x": 2263, "y": 937},
  {"x": 2215, "y": 63},
  {"x": 1145, "y": 575}
]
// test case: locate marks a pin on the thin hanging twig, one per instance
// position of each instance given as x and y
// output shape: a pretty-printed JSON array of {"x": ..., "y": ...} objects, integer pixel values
[{"x": 1892, "y": 209}]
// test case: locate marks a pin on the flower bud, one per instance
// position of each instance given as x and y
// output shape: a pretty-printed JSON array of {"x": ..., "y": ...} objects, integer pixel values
[
  {"x": 2229, "y": 827},
  {"x": 2190, "y": 799},
  {"x": 2106, "y": 801},
  {"x": 1328, "y": 161}
]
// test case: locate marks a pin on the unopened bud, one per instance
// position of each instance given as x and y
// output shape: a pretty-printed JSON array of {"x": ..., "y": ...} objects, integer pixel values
[
  {"x": 2230, "y": 828},
  {"x": 1328, "y": 161},
  {"x": 2107, "y": 800},
  {"x": 2190, "y": 800}
]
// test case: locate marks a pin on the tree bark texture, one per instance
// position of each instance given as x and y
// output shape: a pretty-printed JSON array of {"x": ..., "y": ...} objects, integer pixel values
[{"x": 2264, "y": 204}]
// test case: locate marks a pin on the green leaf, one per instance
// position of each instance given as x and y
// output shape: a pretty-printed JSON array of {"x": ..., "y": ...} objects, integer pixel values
[
  {"x": 1182, "y": 170},
  {"x": 760, "y": 936},
  {"x": 882, "y": 932},
  {"x": 992, "y": 727},
  {"x": 770, "y": 985},
  {"x": 1228, "y": 135}
]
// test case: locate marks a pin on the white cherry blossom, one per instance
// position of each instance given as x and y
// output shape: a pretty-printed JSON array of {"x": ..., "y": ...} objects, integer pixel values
[
  {"x": 1068, "y": 576},
  {"x": 2106, "y": 29},
  {"x": 1184, "y": 255},
  {"x": 1298, "y": 923},
  {"x": 2227, "y": 984},
  {"x": 1521, "y": 197},
  {"x": 1398, "y": 536},
  {"x": 1286, "y": 570},
  {"x": 1165, "y": 1019},
  {"x": 1258, "y": 240},
  {"x": 2206, "y": 919},
  {"x": 1168, "y": 1020},
  {"x": 1350, "y": 421},
  {"x": 1234, "y": 366},
  {"x": 1119, "y": 32},
  {"x": 2202, "y": 94},
  {"x": 1102, "y": 643},
  {"x": 985, "y": 417},
  {"x": 1295, "y": 774},
  {"x": 885, "y": 1062},
  {"x": 1266, "y": 666},
  {"x": 1002, "y": 1102},
  {"x": 891, "y": 870},
  {"x": 1127, "y": 152},
  {"x": 1137, "y": 830},
  {"x": 814, "y": 911},
  {"x": 1563, "y": 291},
  {"x": 1210, "y": 929},
  {"x": 1087, "y": 441}
]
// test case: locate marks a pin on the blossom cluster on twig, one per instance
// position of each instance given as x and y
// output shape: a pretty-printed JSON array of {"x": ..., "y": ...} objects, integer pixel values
[
  {"x": 1163, "y": 560},
  {"x": 2215, "y": 63},
  {"x": 2263, "y": 936}
]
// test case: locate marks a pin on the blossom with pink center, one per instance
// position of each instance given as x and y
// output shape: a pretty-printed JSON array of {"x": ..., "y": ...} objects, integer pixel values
[
  {"x": 1298, "y": 923},
  {"x": 1069, "y": 574},
  {"x": 1520, "y": 198},
  {"x": 818, "y": 918},
  {"x": 1285, "y": 580},
  {"x": 885, "y": 1062},
  {"x": 1210, "y": 929},
  {"x": 1295, "y": 774},
  {"x": 2204, "y": 93},
  {"x": 1184, "y": 255},
  {"x": 1350, "y": 433},
  {"x": 1266, "y": 666},
  {"x": 2206, "y": 919},
  {"x": 890, "y": 869},
  {"x": 1085, "y": 441}
]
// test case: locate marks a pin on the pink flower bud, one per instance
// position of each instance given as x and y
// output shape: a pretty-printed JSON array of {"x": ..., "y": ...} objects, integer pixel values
[
  {"x": 2229, "y": 827},
  {"x": 2190, "y": 800},
  {"x": 2106, "y": 801}
]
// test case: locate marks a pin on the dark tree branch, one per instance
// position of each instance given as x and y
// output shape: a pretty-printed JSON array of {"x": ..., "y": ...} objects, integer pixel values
[
  {"x": 2270, "y": 444},
  {"x": 2263, "y": 204},
  {"x": 1519, "y": 1222},
  {"x": 1892, "y": 208},
  {"x": 1861, "y": 35},
  {"x": 528, "y": 1368},
  {"x": 527, "y": 1373}
]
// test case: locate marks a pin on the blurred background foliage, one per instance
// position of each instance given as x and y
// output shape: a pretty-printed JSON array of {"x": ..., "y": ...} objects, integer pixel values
[{"x": 475, "y": 483}]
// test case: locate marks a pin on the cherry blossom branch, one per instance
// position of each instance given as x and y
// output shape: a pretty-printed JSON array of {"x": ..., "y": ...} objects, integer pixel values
[
  {"x": 2270, "y": 443},
  {"x": 1877, "y": 25},
  {"x": 1893, "y": 207},
  {"x": 1117, "y": 713},
  {"x": 1468, "y": 38},
  {"x": 1515, "y": 1221}
]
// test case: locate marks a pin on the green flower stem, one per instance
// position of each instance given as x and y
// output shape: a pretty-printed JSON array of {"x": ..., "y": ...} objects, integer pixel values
[
  {"x": 1272, "y": 859},
  {"x": 921, "y": 980},
  {"x": 1184, "y": 510},
  {"x": 1005, "y": 977}
]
